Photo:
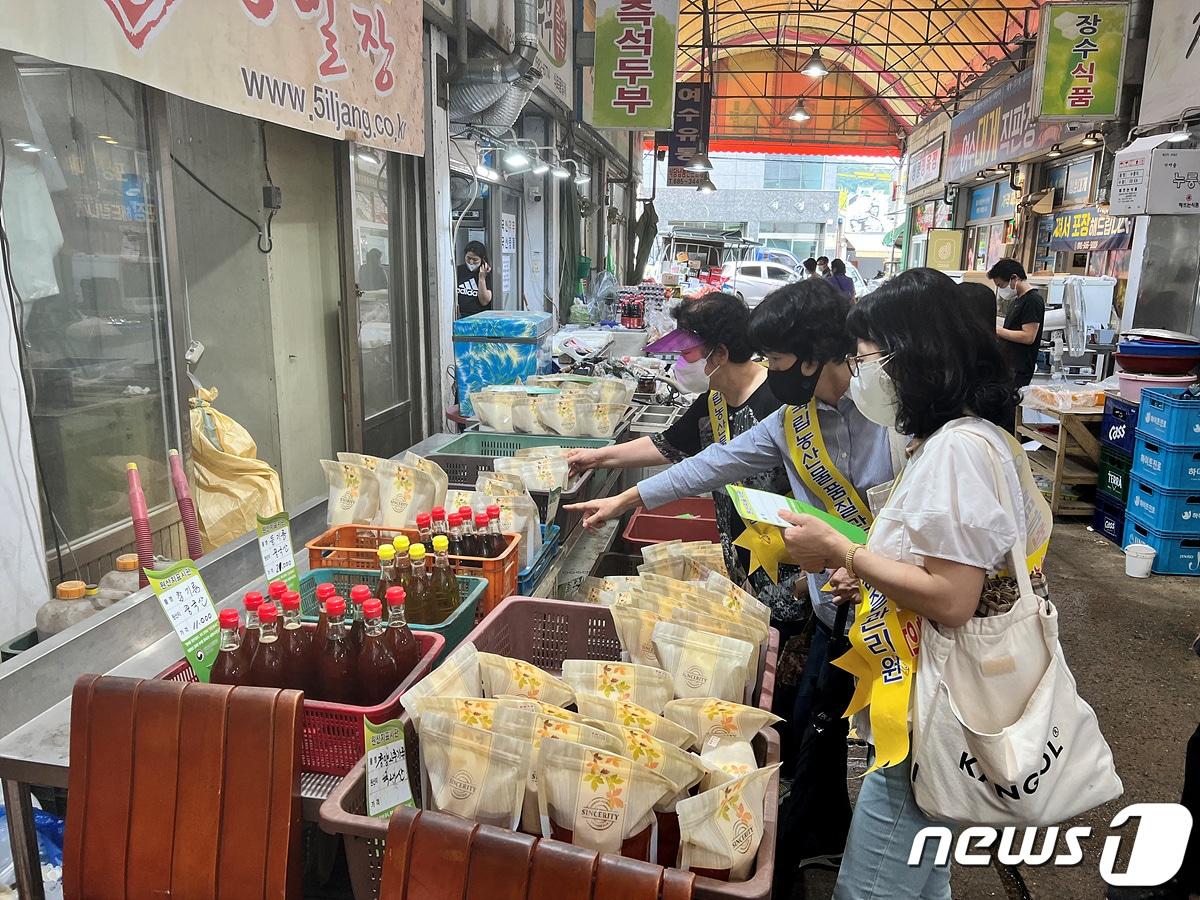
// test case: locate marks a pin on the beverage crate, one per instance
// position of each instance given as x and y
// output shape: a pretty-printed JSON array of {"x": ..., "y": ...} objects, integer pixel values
[
  {"x": 1175, "y": 554},
  {"x": 1165, "y": 466},
  {"x": 331, "y": 739},
  {"x": 1113, "y": 479},
  {"x": 1168, "y": 512},
  {"x": 529, "y": 577},
  {"x": 1119, "y": 423},
  {"x": 690, "y": 519},
  {"x": 453, "y": 629},
  {"x": 1109, "y": 519},
  {"x": 1166, "y": 417},
  {"x": 355, "y": 546}
]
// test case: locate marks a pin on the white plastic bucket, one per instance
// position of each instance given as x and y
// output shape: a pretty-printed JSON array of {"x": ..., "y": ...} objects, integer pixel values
[{"x": 1138, "y": 560}]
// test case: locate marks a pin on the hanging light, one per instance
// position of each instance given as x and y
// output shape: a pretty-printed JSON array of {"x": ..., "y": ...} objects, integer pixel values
[
  {"x": 486, "y": 172},
  {"x": 582, "y": 178},
  {"x": 1055, "y": 152},
  {"x": 559, "y": 171},
  {"x": 705, "y": 186},
  {"x": 516, "y": 158},
  {"x": 815, "y": 67},
  {"x": 799, "y": 114},
  {"x": 540, "y": 167},
  {"x": 1093, "y": 138},
  {"x": 699, "y": 163},
  {"x": 981, "y": 175}
]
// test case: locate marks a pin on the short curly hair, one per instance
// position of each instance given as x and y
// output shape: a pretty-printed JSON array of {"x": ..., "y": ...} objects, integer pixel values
[
  {"x": 806, "y": 318},
  {"x": 719, "y": 320}
]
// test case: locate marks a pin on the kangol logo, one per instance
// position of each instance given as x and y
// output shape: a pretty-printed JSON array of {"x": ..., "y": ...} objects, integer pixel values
[
  {"x": 461, "y": 785},
  {"x": 598, "y": 814}
]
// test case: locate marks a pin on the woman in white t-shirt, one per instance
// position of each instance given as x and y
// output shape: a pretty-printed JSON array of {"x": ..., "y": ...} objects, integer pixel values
[{"x": 928, "y": 368}]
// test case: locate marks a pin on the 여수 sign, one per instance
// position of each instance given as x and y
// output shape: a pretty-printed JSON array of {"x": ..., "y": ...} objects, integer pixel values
[
  {"x": 687, "y": 136},
  {"x": 347, "y": 69},
  {"x": 634, "y": 72},
  {"x": 1081, "y": 53}
]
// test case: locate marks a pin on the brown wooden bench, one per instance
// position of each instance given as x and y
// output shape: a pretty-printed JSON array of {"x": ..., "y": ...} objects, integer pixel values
[{"x": 182, "y": 790}]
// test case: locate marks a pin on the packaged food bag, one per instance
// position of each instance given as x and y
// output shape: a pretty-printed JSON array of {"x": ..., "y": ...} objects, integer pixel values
[
  {"x": 468, "y": 710},
  {"x": 457, "y": 676},
  {"x": 725, "y": 762},
  {"x": 353, "y": 493},
  {"x": 361, "y": 459},
  {"x": 698, "y": 621},
  {"x": 541, "y": 452},
  {"x": 488, "y": 483},
  {"x": 610, "y": 591},
  {"x": 541, "y": 706},
  {"x": 605, "y": 417},
  {"x": 598, "y": 800},
  {"x": 495, "y": 410},
  {"x": 472, "y": 773},
  {"x": 720, "y": 830},
  {"x": 716, "y": 722},
  {"x": 613, "y": 390},
  {"x": 516, "y": 678},
  {"x": 538, "y": 474},
  {"x": 736, "y": 599},
  {"x": 635, "y": 630},
  {"x": 703, "y": 664},
  {"x": 521, "y": 515},
  {"x": 524, "y": 416},
  {"x": 559, "y": 414},
  {"x": 644, "y": 685},
  {"x": 441, "y": 481},
  {"x": 631, "y": 715},
  {"x": 652, "y": 553},
  {"x": 404, "y": 492},
  {"x": 474, "y": 499}
]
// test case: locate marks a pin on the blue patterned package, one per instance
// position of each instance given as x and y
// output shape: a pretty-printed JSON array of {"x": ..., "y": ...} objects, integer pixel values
[{"x": 499, "y": 347}]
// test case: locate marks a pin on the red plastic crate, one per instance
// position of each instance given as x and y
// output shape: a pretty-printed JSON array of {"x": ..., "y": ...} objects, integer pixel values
[
  {"x": 332, "y": 734},
  {"x": 656, "y": 526}
]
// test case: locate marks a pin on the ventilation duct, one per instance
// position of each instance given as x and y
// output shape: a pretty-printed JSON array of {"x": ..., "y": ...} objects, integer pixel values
[{"x": 490, "y": 92}]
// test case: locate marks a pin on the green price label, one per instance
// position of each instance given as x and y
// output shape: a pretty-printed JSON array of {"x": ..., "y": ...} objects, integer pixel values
[
  {"x": 275, "y": 547},
  {"x": 189, "y": 608},
  {"x": 387, "y": 767}
]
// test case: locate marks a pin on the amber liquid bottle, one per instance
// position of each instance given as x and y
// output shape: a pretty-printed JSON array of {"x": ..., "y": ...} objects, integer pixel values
[
  {"x": 227, "y": 668},
  {"x": 417, "y": 591},
  {"x": 495, "y": 538},
  {"x": 325, "y": 590},
  {"x": 467, "y": 541},
  {"x": 335, "y": 664},
  {"x": 359, "y": 594},
  {"x": 438, "y": 526},
  {"x": 267, "y": 668},
  {"x": 400, "y": 639},
  {"x": 425, "y": 528},
  {"x": 297, "y": 648},
  {"x": 275, "y": 591},
  {"x": 443, "y": 586},
  {"x": 378, "y": 675},
  {"x": 387, "y": 569},
  {"x": 253, "y": 602},
  {"x": 455, "y": 535}
]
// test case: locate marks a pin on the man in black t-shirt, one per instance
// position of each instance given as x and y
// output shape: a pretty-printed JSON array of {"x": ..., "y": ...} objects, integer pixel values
[
  {"x": 1021, "y": 334},
  {"x": 473, "y": 281}
]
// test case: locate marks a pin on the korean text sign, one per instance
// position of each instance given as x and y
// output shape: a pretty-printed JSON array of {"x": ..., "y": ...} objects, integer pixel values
[
  {"x": 634, "y": 71},
  {"x": 1081, "y": 49},
  {"x": 690, "y": 124},
  {"x": 189, "y": 607},
  {"x": 348, "y": 69},
  {"x": 1089, "y": 229}
]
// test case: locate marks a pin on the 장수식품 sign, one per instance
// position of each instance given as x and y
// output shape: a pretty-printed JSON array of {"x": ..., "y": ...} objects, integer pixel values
[{"x": 1081, "y": 51}]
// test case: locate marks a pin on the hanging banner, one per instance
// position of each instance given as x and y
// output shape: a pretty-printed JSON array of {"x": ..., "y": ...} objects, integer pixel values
[
  {"x": 1172, "y": 61},
  {"x": 686, "y": 138},
  {"x": 634, "y": 72},
  {"x": 1089, "y": 229},
  {"x": 999, "y": 128},
  {"x": 189, "y": 607},
  {"x": 925, "y": 166},
  {"x": 1080, "y": 59},
  {"x": 347, "y": 69}
]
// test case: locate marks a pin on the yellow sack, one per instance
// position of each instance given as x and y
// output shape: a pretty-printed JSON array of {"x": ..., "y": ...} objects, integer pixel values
[{"x": 231, "y": 484}]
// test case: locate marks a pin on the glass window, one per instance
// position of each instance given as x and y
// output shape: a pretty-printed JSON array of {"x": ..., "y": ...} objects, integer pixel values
[
  {"x": 983, "y": 200},
  {"x": 81, "y": 210},
  {"x": 751, "y": 271},
  {"x": 778, "y": 273},
  {"x": 373, "y": 267},
  {"x": 1079, "y": 182},
  {"x": 792, "y": 174}
]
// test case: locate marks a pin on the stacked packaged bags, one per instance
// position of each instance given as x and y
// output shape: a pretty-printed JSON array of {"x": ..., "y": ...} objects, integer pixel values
[
  {"x": 368, "y": 490},
  {"x": 555, "y": 405}
]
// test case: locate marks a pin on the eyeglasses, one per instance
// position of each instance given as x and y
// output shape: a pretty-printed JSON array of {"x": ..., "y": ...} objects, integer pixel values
[{"x": 854, "y": 363}]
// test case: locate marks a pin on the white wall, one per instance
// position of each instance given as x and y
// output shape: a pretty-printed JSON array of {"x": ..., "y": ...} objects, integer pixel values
[{"x": 22, "y": 563}]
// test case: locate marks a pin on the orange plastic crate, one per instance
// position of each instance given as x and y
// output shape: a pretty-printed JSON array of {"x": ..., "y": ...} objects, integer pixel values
[{"x": 355, "y": 546}]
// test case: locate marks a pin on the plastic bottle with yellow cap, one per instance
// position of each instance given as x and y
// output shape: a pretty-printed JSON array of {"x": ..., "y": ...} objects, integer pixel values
[
  {"x": 387, "y": 569},
  {"x": 70, "y": 605},
  {"x": 443, "y": 586},
  {"x": 418, "y": 595}
]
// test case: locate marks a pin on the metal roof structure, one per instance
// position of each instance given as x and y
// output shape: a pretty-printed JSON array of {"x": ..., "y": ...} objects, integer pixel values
[{"x": 890, "y": 62}]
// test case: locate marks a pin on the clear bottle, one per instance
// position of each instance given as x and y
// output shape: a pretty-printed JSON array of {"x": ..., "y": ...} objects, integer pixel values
[
  {"x": 425, "y": 527},
  {"x": 325, "y": 590},
  {"x": 443, "y": 586},
  {"x": 387, "y": 569},
  {"x": 439, "y": 526},
  {"x": 252, "y": 602},
  {"x": 481, "y": 535},
  {"x": 402, "y": 642},
  {"x": 377, "y": 673},
  {"x": 417, "y": 592},
  {"x": 267, "y": 668},
  {"x": 296, "y": 646},
  {"x": 359, "y": 594},
  {"x": 335, "y": 665},
  {"x": 495, "y": 537},
  {"x": 455, "y": 535},
  {"x": 228, "y": 668}
]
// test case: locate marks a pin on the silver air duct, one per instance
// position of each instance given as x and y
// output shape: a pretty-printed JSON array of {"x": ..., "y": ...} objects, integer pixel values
[{"x": 490, "y": 92}]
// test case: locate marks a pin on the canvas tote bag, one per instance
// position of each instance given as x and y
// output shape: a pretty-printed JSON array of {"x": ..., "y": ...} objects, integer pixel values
[{"x": 1000, "y": 733}]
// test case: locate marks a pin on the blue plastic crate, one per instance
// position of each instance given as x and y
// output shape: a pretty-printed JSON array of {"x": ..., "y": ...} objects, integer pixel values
[
  {"x": 1167, "y": 418},
  {"x": 528, "y": 578},
  {"x": 1164, "y": 466},
  {"x": 1170, "y": 512},
  {"x": 1119, "y": 423},
  {"x": 1109, "y": 519},
  {"x": 1175, "y": 554}
]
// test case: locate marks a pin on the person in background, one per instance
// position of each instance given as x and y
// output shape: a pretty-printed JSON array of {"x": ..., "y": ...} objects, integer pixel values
[
  {"x": 810, "y": 268},
  {"x": 929, "y": 368},
  {"x": 823, "y": 266},
  {"x": 473, "y": 280},
  {"x": 839, "y": 279},
  {"x": 1021, "y": 332},
  {"x": 372, "y": 276}
]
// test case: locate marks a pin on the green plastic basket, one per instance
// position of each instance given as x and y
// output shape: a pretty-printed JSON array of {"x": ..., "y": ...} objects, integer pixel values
[
  {"x": 19, "y": 644},
  {"x": 454, "y": 629}
]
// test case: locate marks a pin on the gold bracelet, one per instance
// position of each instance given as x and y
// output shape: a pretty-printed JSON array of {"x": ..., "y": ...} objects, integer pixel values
[{"x": 849, "y": 565}]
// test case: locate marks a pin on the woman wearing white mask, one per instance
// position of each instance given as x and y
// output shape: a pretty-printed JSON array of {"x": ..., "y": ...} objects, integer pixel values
[
  {"x": 928, "y": 367},
  {"x": 473, "y": 281},
  {"x": 733, "y": 395}
]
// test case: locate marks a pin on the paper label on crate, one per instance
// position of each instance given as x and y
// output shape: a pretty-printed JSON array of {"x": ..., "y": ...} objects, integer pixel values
[
  {"x": 387, "y": 768},
  {"x": 189, "y": 607},
  {"x": 275, "y": 548},
  {"x": 763, "y": 506}
]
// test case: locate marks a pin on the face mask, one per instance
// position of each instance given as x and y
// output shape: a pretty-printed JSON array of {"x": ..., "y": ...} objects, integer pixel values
[
  {"x": 691, "y": 375},
  {"x": 874, "y": 393},
  {"x": 1007, "y": 293},
  {"x": 473, "y": 267},
  {"x": 792, "y": 386}
]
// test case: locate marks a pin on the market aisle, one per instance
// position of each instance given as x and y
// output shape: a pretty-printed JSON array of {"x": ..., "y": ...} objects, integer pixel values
[{"x": 1128, "y": 643}]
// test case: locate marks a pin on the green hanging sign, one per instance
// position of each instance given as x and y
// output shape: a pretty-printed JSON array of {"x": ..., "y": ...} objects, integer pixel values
[
  {"x": 189, "y": 607},
  {"x": 1080, "y": 58},
  {"x": 633, "y": 83},
  {"x": 275, "y": 547},
  {"x": 387, "y": 767}
]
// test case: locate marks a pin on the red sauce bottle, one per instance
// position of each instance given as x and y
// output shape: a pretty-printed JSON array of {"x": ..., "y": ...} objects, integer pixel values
[
  {"x": 252, "y": 601},
  {"x": 267, "y": 668},
  {"x": 335, "y": 666},
  {"x": 359, "y": 594},
  {"x": 228, "y": 668},
  {"x": 325, "y": 590},
  {"x": 294, "y": 640},
  {"x": 378, "y": 675},
  {"x": 400, "y": 639}
]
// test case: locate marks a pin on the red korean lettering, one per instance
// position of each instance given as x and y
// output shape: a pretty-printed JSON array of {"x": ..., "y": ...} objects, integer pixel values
[
  {"x": 374, "y": 43},
  {"x": 331, "y": 65},
  {"x": 633, "y": 69},
  {"x": 631, "y": 99},
  {"x": 260, "y": 11},
  {"x": 1080, "y": 97},
  {"x": 1085, "y": 72},
  {"x": 636, "y": 40}
]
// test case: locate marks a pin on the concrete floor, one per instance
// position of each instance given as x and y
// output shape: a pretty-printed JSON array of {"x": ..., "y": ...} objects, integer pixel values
[{"x": 1128, "y": 643}]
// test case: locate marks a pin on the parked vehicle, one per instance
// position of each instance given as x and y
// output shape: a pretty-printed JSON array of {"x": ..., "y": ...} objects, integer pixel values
[{"x": 752, "y": 280}]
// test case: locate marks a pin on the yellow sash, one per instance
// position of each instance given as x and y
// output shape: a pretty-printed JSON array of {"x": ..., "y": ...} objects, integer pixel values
[
  {"x": 718, "y": 414},
  {"x": 817, "y": 470}
]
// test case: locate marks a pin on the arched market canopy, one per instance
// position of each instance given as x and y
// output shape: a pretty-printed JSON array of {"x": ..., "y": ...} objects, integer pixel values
[{"x": 890, "y": 62}]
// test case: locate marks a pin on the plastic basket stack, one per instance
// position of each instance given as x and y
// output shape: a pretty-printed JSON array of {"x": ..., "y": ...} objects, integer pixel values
[{"x": 1117, "y": 434}]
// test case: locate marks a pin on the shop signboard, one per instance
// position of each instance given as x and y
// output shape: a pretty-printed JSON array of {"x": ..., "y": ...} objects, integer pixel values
[
  {"x": 684, "y": 140},
  {"x": 1080, "y": 59},
  {"x": 1076, "y": 230},
  {"x": 1172, "y": 61},
  {"x": 1151, "y": 177},
  {"x": 982, "y": 200},
  {"x": 925, "y": 166},
  {"x": 999, "y": 128},
  {"x": 634, "y": 72},
  {"x": 346, "y": 69}
]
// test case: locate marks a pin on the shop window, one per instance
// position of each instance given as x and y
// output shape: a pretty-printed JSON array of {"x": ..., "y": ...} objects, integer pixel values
[
  {"x": 373, "y": 258},
  {"x": 793, "y": 174},
  {"x": 81, "y": 211},
  {"x": 1071, "y": 181}
]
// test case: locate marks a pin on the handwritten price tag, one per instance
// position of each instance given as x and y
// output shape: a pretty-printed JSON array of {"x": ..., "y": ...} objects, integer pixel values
[
  {"x": 275, "y": 547},
  {"x": 387, "y": 768},
  {"x": 189, "y": 607}
]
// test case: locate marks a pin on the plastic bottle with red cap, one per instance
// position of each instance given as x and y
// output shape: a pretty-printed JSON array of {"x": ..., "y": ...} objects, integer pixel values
[
  {"x": 267, "y": 668},
  {"x": 378, "y": 674},
  {"x": 228, "y": 668},
  {"x": 495, "y": 537},
  {"x": 294, "y": 640},
  {"x": 469, "y": 542},
  {"x": 325, "y": 590},
  {"x": 275, "y": 590},
  {"x": 438, "y": 514},
  {"x": 454, "y": 521},
  {"x": 359, "y": 594},
  {"x": 400, "y": 639},
  {"x": 252, "y": 601},
  {"x": 335, "y": 664}
]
